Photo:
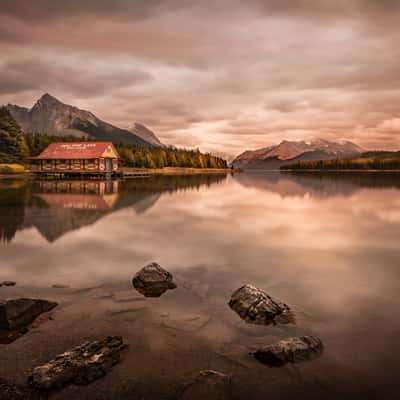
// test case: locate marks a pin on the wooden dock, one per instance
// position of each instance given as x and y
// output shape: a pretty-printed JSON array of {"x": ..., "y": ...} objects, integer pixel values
[
  {"x": 90, "y": 175},
  {"x": 135, "y": 174}
]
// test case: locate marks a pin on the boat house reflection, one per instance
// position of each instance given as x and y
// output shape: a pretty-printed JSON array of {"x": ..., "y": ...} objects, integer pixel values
[
  {"x": 83, "y": 195},
  {"x": 56, "y": 207}
]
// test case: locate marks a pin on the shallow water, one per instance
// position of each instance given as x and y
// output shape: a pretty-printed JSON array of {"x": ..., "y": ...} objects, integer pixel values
[{"x": 327, "y": 245}]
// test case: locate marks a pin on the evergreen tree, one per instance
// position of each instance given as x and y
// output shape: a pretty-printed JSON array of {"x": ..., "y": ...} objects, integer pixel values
[{"x": 13, "y": 147}]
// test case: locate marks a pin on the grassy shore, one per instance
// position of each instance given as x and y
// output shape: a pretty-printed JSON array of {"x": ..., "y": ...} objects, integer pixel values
[
  {"x": 326, "y": 170},
  {"x": 11, "y": 170},
  {"x": 180, "y": 170}
]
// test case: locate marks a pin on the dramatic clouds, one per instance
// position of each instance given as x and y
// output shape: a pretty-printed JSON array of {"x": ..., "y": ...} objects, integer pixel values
[{"x": 222, "y": 75}]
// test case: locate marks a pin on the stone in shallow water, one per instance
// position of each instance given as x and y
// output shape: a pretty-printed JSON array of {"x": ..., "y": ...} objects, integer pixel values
[
  {"x": 210, "y": 385},
  {"x": 291, "y": 350},
  {"x": 254, "y": 306},
  {"x": 8, "y": 283},
  {"x": 10, "y": 391},
  {"x": 81, "y": 365},
  {"x": 153, "y": 280},
  {"x": 17, "y": 313},
  {"x": 60, "y": 286}
]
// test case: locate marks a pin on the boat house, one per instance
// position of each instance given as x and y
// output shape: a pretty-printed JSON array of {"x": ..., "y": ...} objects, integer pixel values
[{"x": 74, "y": 158}]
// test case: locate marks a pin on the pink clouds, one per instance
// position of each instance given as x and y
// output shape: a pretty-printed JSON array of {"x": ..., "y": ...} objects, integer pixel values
[{"x": 225, "y": 76}]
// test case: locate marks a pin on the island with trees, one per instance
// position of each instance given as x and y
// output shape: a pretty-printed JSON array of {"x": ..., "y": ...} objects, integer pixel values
[{"x": 367, "y": 161}]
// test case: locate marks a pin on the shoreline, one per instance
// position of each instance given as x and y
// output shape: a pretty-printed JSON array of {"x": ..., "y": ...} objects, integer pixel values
[
  {"x": 341, "y": 170},
  {"x": 14, "y": 176},
  {"x": 156, "y": 171},
  {"x": 181, "y": 170},
  {"x": 320, "y": 170}
]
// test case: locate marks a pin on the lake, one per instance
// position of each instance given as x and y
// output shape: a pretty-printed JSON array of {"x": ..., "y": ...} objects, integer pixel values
[{"x": 328, "y": 245}]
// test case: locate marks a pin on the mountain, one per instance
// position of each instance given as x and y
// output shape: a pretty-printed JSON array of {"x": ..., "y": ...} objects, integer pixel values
[
  {"x": 145, "y": 133},
  {"x": 289, "y": 152},
  {"x": 49, "y": 115},
  {"x": 12, "y": 144}
]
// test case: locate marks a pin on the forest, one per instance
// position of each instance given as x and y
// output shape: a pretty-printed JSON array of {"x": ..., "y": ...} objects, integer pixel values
[
  {"x": 13, "y": 147},
  {"x": 371, "y": 160},
  {"x": 17, "y": 146}
]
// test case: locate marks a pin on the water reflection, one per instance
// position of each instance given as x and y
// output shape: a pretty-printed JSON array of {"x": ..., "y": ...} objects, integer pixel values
[
  {"x": 14, "y": 197},
  {"x": 318, "y": 184},
  {"x": 57, "y": 207},
  {"x": 328, "y": 246}
]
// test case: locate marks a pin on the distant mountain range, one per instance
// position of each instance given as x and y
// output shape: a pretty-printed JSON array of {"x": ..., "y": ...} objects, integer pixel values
[
  {"x": 49, "y": 115},
  {"x": 145, "y": 133},
  {"x": 289, "y": 152}
]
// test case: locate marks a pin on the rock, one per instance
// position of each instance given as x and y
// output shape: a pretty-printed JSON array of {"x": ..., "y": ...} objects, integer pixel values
[
  {"x": 153, "y": 280},
  {"x": 10, "y": 391},
  {"x": 291, "y": 350},
  {"x": 210, "y": 385},
  {"x": 16, "y": 315},
  {"x": 21, "y": 312},
  {"x": 8, "y": 283},
  {"x": 81, "y": 365},
  {"x": 255, "y": 306}
]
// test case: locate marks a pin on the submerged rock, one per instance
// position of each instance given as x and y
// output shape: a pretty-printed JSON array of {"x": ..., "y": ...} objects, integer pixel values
[
  {"x": 21, "y": 312},
  {"x": 153, "y": 280},
  {"x": 10, "y": 391},
  {"x": 16, "y": 315},
  {"x": 291, "y": 350},
  {"x": 210, "y": 385},
  {"x": 81, "y": 365},
  {"x": 254, "y": 306},
  {"x": 60, "y": 286},
  {"x": 8, "y": 283}
]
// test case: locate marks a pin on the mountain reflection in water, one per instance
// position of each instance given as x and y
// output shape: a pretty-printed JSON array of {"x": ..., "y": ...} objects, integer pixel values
[
  {"x": 318, "y": 184},
  {"x": 57, "y": 207},
  {"x": 327, "y": 245}
]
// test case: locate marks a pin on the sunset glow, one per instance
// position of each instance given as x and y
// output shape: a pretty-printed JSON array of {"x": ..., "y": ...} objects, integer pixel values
[{"x": 223, "y": 76}]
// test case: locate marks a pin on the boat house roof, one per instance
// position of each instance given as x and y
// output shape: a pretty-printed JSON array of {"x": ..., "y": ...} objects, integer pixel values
[{"x": 77, "y": 150}]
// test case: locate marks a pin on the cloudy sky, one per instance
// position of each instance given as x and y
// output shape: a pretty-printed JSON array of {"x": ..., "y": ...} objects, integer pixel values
[{"x": 223, "y": 75}]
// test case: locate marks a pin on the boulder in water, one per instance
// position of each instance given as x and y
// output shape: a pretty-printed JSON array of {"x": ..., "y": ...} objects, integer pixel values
[
  {"x": 81, "y": 365},
  {"x": 255, "y": 306},
  {"x": 8, "y": 283},
  {"x": 210, "y": 385},
  {"x": 291, "y": 350},
  {"x": 17, "y": 313},
  {"x": 153, "y": 280}
]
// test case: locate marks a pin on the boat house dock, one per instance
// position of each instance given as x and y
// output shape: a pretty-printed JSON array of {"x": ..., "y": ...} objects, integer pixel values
[{"x": 97, "y": 159}]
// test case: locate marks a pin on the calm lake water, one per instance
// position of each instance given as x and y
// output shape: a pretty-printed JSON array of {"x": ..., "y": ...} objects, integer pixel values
[{"x": 327, "y": 245}]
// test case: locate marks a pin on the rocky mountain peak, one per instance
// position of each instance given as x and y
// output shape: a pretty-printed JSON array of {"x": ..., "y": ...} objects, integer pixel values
[
  {"x": 53, "y": 117},
  {"x": 144, "y": 133},
  {"x": 287, "y": 151},
  {"x": 46, "y": 100}
]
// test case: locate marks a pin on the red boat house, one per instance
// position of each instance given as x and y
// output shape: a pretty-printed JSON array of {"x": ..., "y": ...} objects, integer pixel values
[{"x": 71, "y": 158}]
